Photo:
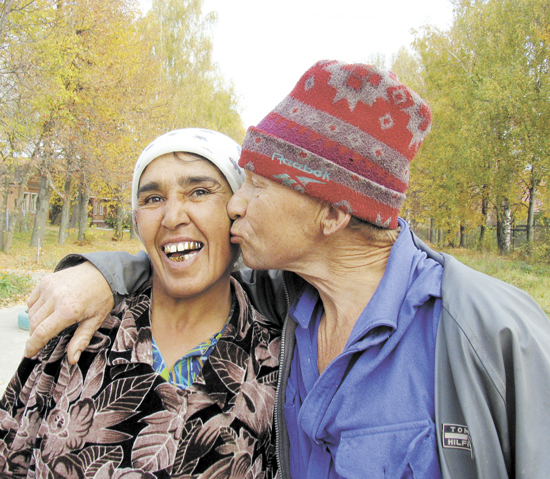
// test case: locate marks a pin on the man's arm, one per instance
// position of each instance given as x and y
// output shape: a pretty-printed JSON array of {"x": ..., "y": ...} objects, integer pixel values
[
  {"x": 83, "y": 290},
  {"x": 124, "y": 272}
]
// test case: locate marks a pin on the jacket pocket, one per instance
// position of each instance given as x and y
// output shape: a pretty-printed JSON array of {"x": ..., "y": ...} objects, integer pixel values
[{"x": 397, "y": 451}]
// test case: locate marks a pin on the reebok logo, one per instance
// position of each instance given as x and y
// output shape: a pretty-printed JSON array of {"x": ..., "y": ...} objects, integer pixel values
[
  {"x": 324, "y": 175},
  {"x": 299, "y": 185}
]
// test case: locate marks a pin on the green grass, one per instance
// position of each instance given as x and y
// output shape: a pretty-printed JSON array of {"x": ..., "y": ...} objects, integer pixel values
[
  {"x": 15, "y": 287},
  {"x": 20, "y": 269},
  {"x": 532, "y": 277},
  {"x": 22, "y": 256}
]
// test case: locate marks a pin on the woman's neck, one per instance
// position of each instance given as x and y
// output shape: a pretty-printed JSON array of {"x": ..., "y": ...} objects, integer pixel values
[{"x": 180, "y": 324}]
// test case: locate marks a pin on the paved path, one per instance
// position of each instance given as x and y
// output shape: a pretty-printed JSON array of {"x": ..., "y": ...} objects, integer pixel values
[{"x": 12, "y": 344}]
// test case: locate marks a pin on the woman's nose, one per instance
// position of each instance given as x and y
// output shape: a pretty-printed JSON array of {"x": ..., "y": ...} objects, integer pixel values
[{"x": 175, "y": 213}]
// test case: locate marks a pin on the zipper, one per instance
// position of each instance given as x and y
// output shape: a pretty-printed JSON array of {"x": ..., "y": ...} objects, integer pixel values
[{"x": 278, "y": 392}]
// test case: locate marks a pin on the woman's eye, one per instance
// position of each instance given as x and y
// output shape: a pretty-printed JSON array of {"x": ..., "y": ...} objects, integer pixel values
[
  {"x": 201, "y": 192},
  {"x": 152, "y": 199}
]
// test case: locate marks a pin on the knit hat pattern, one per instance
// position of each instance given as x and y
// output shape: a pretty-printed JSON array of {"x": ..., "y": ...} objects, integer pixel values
[{"x": 346, "y": 135}]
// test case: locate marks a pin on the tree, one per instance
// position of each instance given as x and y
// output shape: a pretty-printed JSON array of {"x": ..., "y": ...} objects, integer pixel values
[
  {"x": 442, "y": 191},
  {"x": 86, "y": 84},
  {"x": 200, "y": 97},
  {"x": 43, "y": 203},
  {"x": 487, "y": 82}
]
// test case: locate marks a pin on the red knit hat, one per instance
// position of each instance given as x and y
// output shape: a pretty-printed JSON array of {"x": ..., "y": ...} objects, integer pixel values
[{"x": 346, "y": 135}]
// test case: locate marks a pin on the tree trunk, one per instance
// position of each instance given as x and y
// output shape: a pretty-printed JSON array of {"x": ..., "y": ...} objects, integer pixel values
[
  {"x": 5, "y": 10},
  {"x": 462, "y": 237},
  {"x": 531, "y": 213},
  {"x": 42, "y": 207},
  {"x": 119, "y": 233},
  {"x": 76, "y": 209},
  {"x": 18, "y": 210},
  {"x": 504, "y": 227},
  {"x": 84, "y": 199},
  {"x": 432, "y": 231},
  {"x": 65, "y": 211},
  {"x": 4, "y": 213},
  {"x": 483, "y": 227}
]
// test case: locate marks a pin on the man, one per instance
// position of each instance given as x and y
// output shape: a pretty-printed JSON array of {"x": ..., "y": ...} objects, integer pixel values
[{"x": 396, "y": 361}]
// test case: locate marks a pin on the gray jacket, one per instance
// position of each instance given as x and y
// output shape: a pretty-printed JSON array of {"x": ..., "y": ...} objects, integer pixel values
[{"x": 492, "y": 384}]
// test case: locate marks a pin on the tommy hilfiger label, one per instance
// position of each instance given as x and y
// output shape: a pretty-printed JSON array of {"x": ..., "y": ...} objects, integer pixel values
[{"x": 456, "y": 436}]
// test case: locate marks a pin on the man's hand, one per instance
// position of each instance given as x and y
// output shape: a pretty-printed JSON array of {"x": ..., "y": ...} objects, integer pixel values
[{"x": 74, "y": 295}]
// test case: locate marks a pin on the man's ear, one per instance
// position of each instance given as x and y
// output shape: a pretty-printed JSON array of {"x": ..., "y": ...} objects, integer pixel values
[{"x": 334, "y": 220}]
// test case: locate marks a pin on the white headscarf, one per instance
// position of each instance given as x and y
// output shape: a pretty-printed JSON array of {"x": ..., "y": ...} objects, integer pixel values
[{"x": 219, "y": 149}]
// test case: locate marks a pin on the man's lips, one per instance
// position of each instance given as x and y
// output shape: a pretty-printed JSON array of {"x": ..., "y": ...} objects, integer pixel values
[{"x": 235, "y": 238}]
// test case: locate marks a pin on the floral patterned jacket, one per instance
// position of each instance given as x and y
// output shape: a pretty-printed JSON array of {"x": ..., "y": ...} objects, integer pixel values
[{"x": 112, "y": 416}]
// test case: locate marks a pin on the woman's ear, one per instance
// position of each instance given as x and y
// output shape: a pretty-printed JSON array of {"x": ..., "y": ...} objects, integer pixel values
[
  {"x": 334, "y": 220},
  {"x": 134, "y": 217}
]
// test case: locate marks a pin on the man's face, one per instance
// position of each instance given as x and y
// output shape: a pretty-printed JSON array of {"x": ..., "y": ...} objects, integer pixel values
[{"x": 275, "y": 226}]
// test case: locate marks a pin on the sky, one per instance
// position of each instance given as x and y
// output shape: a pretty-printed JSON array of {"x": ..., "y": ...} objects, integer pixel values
[{"x": 264, "y": 47}]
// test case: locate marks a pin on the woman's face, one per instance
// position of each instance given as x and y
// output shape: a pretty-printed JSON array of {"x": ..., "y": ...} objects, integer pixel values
[{"x": 183, "y": 223}]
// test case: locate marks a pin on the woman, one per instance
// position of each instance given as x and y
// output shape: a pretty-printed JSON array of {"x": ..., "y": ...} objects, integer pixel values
[{"x": 180, "y": 380}]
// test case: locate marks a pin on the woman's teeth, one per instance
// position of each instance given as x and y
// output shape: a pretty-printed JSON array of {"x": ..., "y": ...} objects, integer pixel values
[
  {"x": 183, "y": 257},
  {"x": 188, "y": 248},
  {"x": 183, "y": 246}
]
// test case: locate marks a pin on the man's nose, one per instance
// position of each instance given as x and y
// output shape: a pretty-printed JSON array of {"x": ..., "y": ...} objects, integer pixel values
[{"x": 236, "y": 207}]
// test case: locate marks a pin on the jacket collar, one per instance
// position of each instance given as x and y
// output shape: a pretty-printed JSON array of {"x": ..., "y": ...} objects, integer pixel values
[{"x": 383, "y": 311}]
